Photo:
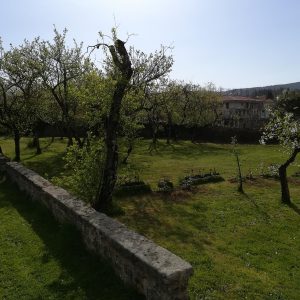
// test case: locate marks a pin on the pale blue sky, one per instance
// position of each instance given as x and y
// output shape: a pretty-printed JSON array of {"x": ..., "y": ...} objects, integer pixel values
[{"x": 232, "y": 43}]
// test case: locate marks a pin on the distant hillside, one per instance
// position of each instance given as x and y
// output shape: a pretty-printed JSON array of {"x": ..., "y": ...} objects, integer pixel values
[{"x": 270, "y": 90}]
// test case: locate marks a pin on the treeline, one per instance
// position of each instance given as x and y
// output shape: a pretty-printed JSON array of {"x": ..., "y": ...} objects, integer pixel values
[
  {"x": 256, "y": 92},
  {"x": 60, "y": 85}
]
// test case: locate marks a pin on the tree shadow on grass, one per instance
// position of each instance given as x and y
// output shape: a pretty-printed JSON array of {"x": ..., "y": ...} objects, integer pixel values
[
  {"x": 48, "y": 166},
  {"x": 30, "y": 157},
  {"x": 83, "y": 275},
  {"x": 265, "y": 216},
  {"x": 50, "y": 142},
  {"x": 294, "y": 207},
  {"x": 36, "y": 154},
  {"x": 174, "y": 222},
  {"x": 180, "y": 149},
  {"x": 194, "y": 150}
]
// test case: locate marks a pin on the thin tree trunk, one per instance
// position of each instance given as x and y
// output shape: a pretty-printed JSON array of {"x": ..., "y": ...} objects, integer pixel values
[
  {"x": 168, "y": 135},
  {"x": 153, "y": 144},
  {"x": 129, "y": 150},
  {"x": 169, "y": 129},
  {"x": 17, "y": 145},
  {"x": 36, "y": 142},
  {"x": 240, "y": 186},
  {"x": 285, "y": 193},
  {"x": 175, "y": 138},
  {"x": 70, "y": 141},
  {"x": 79, "y": 142}
]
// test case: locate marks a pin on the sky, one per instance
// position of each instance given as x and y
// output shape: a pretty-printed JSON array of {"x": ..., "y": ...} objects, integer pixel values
[{"x": 231, "y": 43}]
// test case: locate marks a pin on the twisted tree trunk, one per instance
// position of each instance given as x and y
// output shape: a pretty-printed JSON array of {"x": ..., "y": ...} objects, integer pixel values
[
  {"x": 107, "y": 183},
  {"x": 285, "y": 193}
]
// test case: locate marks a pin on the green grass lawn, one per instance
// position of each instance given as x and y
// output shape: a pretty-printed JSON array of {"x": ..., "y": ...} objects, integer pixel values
[
  {"x": 40, "y": 259},
  {"x": 240, "y": 246}
]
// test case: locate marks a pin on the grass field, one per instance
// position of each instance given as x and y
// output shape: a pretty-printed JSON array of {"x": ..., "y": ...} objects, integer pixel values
[
  {"x": 40, "y": 259},
  {"x": 240, "y": 246}
]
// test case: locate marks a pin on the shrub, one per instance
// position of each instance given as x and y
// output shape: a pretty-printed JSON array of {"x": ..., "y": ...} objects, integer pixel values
[
  {"x": 86, "y": 168},
  {"x": 271, "y": 171},
  {"x": 129, "y": 183}
]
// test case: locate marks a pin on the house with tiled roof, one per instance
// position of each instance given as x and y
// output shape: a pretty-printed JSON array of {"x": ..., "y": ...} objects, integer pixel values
[{"x": 244, "y": 112}]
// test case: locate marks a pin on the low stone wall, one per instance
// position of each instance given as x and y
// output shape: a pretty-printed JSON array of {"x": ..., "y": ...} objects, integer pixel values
[
  {"x": 3, "y": 161},
  {"x": 152, "y": 270}
]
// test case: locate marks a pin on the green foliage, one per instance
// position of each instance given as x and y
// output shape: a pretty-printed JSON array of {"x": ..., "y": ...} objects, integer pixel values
[
  {"x": 239, "y": 171},
  {"x": 130, "y": 183},
  {"x": 129, "y": 174},
  {"x": 284, "y": 128},
  {"x": 85, "y": 165},
  {"x": 19, "y": 88},
  {"x": 270, "y": 171},
  {"x": 289, "y": 101}
]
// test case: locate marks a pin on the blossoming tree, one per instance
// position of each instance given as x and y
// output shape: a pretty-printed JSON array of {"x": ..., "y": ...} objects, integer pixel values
[{"x": 285, "y": 128}]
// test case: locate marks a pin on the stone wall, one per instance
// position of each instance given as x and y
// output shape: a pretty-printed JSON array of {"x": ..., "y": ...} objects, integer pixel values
[
  {"x": 3, "y": 161},
  {"x": 152, "y": 270}
]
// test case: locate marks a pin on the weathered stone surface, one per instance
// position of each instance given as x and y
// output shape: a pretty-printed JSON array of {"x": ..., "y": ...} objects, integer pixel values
[
  {"x": 152, "y": 270},
  {"x": 3, "y": 161}
]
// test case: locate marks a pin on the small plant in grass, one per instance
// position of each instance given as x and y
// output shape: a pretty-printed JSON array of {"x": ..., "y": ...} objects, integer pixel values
[
  {"x": 273, "y": 170},
  {"x": 270, "y": 171},
  {"x": 186, "y": 184},
  {"x": 129, "y": 175},
  {"x": 250, "y": 175},
  {"x": 129, "y": 183},
  {"x": 236, "y": 154},
  {"x": 165, "y": 185}
]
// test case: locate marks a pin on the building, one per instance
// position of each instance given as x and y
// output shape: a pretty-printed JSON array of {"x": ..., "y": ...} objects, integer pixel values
[{"x": 244, "y": 112}]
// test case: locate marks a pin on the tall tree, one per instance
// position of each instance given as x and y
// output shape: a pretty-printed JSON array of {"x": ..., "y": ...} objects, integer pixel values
[
  {"x": 122, "y": 73},
  {"x": 289, "y": 101},
  {"x": 60, "y": 67},
  {"x": 130, "y": 71},
  {"x": 285, "y": 128},
  {"x": 20, "y": 89}
]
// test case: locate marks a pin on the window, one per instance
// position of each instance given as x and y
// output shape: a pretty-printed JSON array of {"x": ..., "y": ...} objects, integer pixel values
[{"x": 227, "y": 105}]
